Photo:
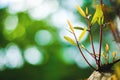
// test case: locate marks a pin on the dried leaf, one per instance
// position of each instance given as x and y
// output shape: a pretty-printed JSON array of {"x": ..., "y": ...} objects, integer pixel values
[
  {"x": 80, "y": 11},
  {"x": 113, "y": 77},
  {"x": 69, "y": 40},
  {"x": 70, "y": 25},
  {"x": 107, "y": 47},
  {"x": 82, "y": 34}
]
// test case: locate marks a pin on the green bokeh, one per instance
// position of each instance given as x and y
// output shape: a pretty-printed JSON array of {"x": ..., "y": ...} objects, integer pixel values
[{"x": 55, "y": 65}]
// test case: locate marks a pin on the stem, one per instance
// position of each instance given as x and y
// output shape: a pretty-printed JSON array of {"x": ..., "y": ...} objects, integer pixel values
[
  {"x": 82, "y": 52},
  {"x": 100, "y": 45},
  {"x": 91, "y": 40},
  {"x": 101, "y": 2},
  {"x": 108, "y": 57},
  {"x": 106, "y": 60},
  {"x": 89, "y": 53},
  {"x": 113, "y": 59},
  {"x": 116, "y": 61}
]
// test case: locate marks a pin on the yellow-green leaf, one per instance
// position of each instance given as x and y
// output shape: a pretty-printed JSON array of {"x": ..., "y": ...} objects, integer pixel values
[
  {"x": 86, "y": 10},
  {"x": 70, "y": 25},
  {"x": 98, "y": 15},
  {"x": 80, "y": 11},
  {"x": 113, "y": 54},
  {"x": 103, "y": 55},
  {"x": 69, "y": 40},
  {"x": 83, "y": 46},
  {"x": 78, "y": 28},
  {"x": 102, "y": 20},
  {"x": 82, "y": 34}
]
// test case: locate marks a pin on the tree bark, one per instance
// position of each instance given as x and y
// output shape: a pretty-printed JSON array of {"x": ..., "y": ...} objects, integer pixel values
[{"x": 96, "y": 75}]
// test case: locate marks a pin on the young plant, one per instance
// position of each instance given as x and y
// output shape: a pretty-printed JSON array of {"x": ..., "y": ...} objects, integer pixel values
[{"x": 101, "y": 68}]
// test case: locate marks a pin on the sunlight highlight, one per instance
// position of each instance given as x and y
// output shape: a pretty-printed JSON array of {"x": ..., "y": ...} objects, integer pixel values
[
  {"x": 11, "y": 23},
  {"x": 13, "y": 56},
  {"x": 43, "y": 37},
  {"x": 33, "y": 56}
]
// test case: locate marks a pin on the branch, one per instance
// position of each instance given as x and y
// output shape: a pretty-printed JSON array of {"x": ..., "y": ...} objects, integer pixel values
[
  {"x": 91, "y": 40},
  {"x": 82, "y": 52},
  {"x": 101, "y": 2},
  {"x": 100, "y": 45}
]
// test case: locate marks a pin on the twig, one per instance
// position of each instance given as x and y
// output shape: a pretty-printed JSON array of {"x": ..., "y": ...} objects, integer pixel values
[
  {"x": 116, "y": 61},
  {"x": 100, "y": 45},
  {"x": 101, "y": 2},
  {"x": 88, "y": 52},
  {"x": 82, "y": 52},
  {"x": 91, "y": 40},
  {"x": 108, "y": 57}
]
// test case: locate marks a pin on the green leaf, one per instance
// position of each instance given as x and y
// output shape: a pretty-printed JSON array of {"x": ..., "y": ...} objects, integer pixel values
[
  {"x": 80, "y": 28},
  {"x": 68, "y": 39}
]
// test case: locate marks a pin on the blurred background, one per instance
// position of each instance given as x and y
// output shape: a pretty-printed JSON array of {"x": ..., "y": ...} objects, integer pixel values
[{"x": 31, "y": 40}]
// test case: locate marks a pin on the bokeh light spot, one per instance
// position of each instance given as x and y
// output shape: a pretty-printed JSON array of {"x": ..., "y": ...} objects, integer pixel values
[
  {"x": 43, "y": 10},
  {"x": 43, "y": 37},
  {"x": 2, "y": 59},
  {"x": 13, "y": 56},
  {"x": 33, "y": 56},
  {"x": 11, "y": 23},
  {"x": 15, "y": 6},
  {"x": 3, "y": 3},
  {"x": 79, "y": 60},
  {"x": 68, "y": 55},
  {"x": 59, "y": 18},
  {"x": 17, "y": 33}
]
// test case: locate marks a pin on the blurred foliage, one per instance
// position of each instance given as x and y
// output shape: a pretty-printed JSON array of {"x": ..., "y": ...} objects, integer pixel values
[{"x": 53, "y": 66}]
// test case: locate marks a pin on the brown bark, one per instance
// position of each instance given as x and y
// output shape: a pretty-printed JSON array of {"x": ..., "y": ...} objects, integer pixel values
[{"x": 96, "y": 75}]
